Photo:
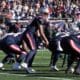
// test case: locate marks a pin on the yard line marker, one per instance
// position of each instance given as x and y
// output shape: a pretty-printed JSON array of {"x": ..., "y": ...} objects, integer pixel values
[
  {"x": 49, "y": 78},
  {"x": 8, "y": 74},
  {"x": 55, "y": 78}
]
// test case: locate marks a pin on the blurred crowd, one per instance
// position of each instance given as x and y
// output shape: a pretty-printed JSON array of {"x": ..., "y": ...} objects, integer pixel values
[
  {"x": 22, "y": 9},
  {"x": 27, "y": 9}
]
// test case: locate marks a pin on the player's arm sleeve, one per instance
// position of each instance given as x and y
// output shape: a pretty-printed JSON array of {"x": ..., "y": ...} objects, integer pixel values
[
  {"x": 41, "y": 30},
  {"x": 73, "y": 45},
  {"x": 38, "y": 22}
]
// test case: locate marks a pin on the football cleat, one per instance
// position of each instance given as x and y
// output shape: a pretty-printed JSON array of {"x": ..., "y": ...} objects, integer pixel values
[
  {"x": 70, "y": 70},
  {"x": 1, "y": 66},
  {"x": 30, "y": 70},
  {"x": 24, "y": 65},
  {"x": 54, "y": 68}
]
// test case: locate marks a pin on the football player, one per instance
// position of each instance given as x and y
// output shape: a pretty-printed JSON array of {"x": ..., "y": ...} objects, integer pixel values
[
  {"x": 10, "y": 43},
  {"x": 37, "y": 24}
]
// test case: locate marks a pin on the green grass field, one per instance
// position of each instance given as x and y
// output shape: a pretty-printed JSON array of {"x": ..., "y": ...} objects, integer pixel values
[{"x": 41, "y": 65}]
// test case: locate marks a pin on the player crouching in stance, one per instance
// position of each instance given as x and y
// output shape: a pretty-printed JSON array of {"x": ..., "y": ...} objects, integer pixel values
[
  {"x": 11, "y": 43},
  {"x": 71, "y": 46}
]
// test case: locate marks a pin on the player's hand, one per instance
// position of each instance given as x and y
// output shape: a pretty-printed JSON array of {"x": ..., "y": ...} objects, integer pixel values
[{"x": 47, "y": 43}]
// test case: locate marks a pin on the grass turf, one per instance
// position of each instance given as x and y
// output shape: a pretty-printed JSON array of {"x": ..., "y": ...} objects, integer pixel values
[{"x": 41, "y": 65}]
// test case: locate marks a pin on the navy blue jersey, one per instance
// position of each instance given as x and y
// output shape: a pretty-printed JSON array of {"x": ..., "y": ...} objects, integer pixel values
[
  {"x": 19, "y": 39},
  {"x": 35, "y": 24},
  {"x": 12, "y": 39},
  {"x": 8, "y": 40}
]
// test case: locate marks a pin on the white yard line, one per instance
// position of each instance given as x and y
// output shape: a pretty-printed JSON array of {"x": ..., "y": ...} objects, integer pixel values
[
  {"x": 48, "y": 78},
  {"x": 55, "y": 78},
  {"x": 8, "y": 74}
]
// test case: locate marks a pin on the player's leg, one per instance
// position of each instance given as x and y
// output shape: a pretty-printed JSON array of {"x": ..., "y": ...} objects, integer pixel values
[
  {"x": 17, "y": 50},
  {"x": 9, "y": 58},
  {"x": 30, "y": 57},
  {"x": 77, "y": 68},
  {"x": 55, "y": 55},
  {"x": 54, "y": 61},
  {"x": 69, "y": 51},
  {"x": 70, "y": 61}
]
